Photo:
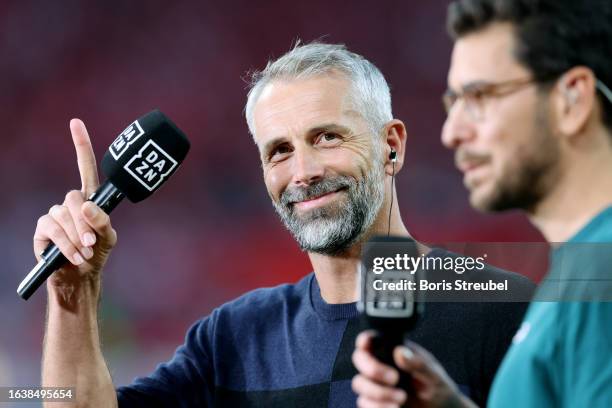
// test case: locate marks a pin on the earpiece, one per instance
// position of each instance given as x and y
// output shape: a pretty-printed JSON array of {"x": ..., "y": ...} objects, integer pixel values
[
  {"x": 393, "y": 156},
  {"x": 570, "y": 94}
]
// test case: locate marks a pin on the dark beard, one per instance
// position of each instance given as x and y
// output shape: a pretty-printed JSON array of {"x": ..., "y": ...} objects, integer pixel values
[{"x": 533, "y": 176}]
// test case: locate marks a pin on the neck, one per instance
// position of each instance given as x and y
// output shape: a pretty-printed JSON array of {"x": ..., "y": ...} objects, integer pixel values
[
  {"x": 337, "y": 275},
  {"x": 583, "y": 191}
]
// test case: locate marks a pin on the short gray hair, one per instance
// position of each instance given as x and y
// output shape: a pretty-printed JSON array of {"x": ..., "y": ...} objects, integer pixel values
[{"x": 369, "y": 93}]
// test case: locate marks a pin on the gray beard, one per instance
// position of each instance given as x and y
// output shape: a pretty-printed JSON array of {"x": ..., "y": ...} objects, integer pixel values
[{"x": 334, "y": 228}]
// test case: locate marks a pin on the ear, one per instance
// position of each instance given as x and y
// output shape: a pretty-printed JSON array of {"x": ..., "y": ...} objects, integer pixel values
[
  {"x": 574, "y": 100},
  {"x": 394, "y": 138}
]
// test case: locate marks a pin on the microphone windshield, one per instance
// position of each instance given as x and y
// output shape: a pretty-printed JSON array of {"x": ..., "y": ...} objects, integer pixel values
[{"x": 145, "y": 155}]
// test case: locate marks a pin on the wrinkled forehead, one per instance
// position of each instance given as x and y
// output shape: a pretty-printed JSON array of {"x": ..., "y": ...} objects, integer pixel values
[
  {"x": 288, "y": 107},
  {"x": 485, "y": 55}
]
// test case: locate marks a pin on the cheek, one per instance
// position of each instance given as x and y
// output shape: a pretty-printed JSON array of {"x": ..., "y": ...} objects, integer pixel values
[
  {"x": 512, "y": 137},
  {"x": 357, "y": 150},
  {"x": 348, "y": 162},
  {"x": 496, "y": 143},
  {"x": 354, "y": 156},
  {"x": 508, "y": 151},
  {"x": 276, "y": 180}
]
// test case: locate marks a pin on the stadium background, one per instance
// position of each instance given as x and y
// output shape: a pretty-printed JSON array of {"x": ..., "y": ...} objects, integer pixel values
[{"x": 211, "y": 233}]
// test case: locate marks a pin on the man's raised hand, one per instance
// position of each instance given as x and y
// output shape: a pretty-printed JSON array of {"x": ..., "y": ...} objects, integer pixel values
[{"x": 79, "y": 228}]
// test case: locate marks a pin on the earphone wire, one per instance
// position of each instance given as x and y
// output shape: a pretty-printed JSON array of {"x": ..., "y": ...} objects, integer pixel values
[{"x": 391, "y": 206}]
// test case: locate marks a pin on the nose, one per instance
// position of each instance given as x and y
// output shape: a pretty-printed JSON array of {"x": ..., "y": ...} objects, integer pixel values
[
  {"x": 307, "y": 166},
  {"x": 457, "y": 129}
]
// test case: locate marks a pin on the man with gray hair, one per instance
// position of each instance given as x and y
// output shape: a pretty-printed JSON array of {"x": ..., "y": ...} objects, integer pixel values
[
  {"x": 329, "y": 146},
  {"x": 366, "y": 96}
]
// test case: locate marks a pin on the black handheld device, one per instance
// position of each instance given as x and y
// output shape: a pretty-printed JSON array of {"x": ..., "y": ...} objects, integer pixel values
[
  {"x": 390, "y": 302},
  {"x": 137, "y": 163}
]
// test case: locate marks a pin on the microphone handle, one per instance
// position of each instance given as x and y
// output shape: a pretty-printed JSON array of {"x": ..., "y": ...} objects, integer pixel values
[
  {"x": 107, "y": 197},
  {"x": 383, "y": 344}
]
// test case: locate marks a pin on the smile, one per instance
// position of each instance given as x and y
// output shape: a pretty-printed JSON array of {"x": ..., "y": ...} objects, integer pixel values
[
  {"x": 469, "y": 165},
  {"x": 317, "y": 201}
]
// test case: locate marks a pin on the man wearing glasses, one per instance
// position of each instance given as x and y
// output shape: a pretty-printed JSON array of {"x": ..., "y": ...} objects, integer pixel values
[{"x": 530, "y": 119}]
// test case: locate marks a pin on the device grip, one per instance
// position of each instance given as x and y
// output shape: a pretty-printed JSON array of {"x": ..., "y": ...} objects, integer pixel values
[
  {"x": 107, "y": 197},
  {"x": 383, "y": 345}
]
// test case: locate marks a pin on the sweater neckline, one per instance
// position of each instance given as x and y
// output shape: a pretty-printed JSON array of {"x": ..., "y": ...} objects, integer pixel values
[{"x": 329, "y": 311}]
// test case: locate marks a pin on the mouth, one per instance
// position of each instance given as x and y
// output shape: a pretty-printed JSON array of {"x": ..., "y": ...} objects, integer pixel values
[
  {"x": 317, "y": 201},
  {"x": 467, "y": 161},
  {"x": 467, "y": 166},
  {"x": 475, "y": 172}
]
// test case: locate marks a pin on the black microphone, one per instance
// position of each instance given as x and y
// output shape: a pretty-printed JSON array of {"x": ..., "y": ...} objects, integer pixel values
[
  {"x": 390, "y": 302},
  {"x": 137, "y": 163}
]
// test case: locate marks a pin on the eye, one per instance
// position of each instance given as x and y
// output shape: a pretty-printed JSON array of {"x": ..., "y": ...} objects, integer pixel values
[
  {"x": 478, "y": 94},
  {"x": 475, "y": 97},
  {"x": 279, "y": 153},
  {"x": 328, "y": 139}
]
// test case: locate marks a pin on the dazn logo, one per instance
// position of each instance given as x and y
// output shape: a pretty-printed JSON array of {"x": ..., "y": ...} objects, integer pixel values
[
  {"x": 151, "y": 165},
  {"x": 125, "y": 139}
]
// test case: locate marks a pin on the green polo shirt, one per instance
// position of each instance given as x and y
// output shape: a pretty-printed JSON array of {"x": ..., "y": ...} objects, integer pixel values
[{"x": 562, "y": 354}]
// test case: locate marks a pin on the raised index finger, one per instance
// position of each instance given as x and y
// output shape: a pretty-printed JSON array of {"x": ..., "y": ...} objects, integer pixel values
[{"x": 86, "y": 159}]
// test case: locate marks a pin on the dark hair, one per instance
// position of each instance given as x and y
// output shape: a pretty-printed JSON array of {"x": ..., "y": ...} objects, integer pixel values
[{"x": 552, "y": 36}]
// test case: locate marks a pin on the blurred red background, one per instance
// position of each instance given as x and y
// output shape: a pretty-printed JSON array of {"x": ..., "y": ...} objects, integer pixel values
[{"x": 211, "y": 233}]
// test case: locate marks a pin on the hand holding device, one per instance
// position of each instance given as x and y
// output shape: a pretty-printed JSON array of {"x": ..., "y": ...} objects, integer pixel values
[{"x": 137, "y": 163}]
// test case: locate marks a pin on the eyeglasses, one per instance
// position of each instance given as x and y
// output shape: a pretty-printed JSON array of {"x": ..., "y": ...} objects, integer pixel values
[
  {"x": 475, "y": 95},
  {"x": 604, "y": 90}
]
